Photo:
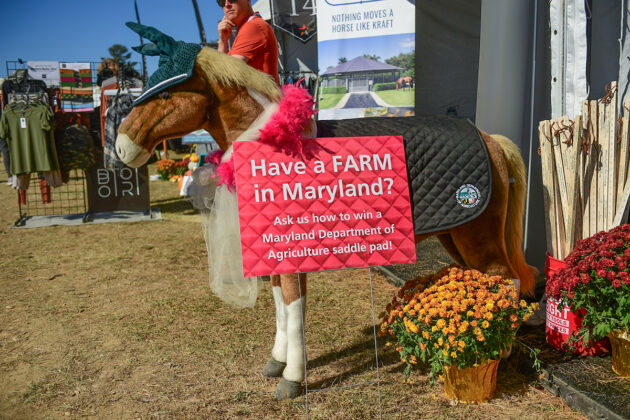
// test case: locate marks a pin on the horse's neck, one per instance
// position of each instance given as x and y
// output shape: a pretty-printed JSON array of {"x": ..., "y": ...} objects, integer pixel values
[
  {"x": 269, "y": 107},
  {"x": 253, "y": 111}
]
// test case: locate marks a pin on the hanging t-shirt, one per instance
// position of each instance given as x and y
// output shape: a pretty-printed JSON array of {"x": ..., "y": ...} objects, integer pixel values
[{"x": 28, "y": 130}]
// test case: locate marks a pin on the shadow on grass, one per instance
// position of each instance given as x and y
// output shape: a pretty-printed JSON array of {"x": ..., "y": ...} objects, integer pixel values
[
  {"x": 360, "y": 357},
  {"x": 515, "y": 374},
  {"x": 175, "y": 206}
]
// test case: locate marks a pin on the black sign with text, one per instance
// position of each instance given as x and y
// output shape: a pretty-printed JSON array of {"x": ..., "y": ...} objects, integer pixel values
[
  {"x": 297, "y": 17},
  {"x": 117, "y": 189}
]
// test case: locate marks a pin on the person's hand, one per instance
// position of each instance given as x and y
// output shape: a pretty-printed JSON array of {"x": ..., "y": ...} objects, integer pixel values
[{"x": 225, "y": 29}]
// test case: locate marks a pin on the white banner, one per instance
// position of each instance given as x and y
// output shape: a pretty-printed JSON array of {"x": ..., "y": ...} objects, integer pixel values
[
  {"x": 343, "y": 19},
  {"x": 48, "y": 71},
  {"x": 366, "y": 58}
]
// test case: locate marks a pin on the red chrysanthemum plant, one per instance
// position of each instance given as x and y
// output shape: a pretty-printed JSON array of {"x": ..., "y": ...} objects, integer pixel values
[{"x": 597, "y": 280}]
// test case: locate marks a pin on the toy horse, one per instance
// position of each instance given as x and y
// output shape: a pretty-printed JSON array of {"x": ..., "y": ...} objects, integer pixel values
[{"x": 232, "y": 101}]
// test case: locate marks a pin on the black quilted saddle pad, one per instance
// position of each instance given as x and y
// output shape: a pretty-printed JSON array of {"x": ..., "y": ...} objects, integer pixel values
[{"x": 448, "y": 166}]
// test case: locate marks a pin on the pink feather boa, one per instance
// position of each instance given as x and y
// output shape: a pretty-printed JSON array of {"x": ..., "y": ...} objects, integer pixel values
[{"x": 284, "y": 131}]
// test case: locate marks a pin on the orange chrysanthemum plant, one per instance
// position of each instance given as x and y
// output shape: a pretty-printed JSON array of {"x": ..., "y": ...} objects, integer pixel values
[{"x": 457, "y": 317}]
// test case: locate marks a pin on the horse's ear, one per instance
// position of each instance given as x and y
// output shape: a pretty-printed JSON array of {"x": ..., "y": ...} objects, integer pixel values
[
  {"x": 147, "y": 49},
  {"x": 165, "y": 43}
]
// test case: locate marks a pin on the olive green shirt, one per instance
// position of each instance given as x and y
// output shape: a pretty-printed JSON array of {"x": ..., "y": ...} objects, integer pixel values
[{"x": 29, "y": 133}]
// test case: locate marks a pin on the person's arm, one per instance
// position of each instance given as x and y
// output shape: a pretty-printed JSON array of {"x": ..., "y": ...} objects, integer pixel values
[{"x": 251, "y": 42}]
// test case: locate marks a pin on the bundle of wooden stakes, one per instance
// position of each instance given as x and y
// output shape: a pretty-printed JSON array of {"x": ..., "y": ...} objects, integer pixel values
[{"x": 585, "y": 169}]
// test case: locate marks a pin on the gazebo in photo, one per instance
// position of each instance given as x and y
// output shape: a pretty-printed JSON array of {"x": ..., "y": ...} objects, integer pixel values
[{"x": 360, "y": 74}]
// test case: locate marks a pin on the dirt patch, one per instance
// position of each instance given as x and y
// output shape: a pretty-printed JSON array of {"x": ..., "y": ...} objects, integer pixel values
[{"x": 117, "y": 321}]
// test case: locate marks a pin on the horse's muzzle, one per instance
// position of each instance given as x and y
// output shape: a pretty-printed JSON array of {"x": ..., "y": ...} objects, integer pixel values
[{"x": 130, "y": 153}]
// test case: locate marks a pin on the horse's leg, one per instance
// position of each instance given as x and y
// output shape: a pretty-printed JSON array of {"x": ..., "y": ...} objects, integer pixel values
[
  {"x": 278, "y": 360},
  {"x": 294, "y": 304},
  {"x": 448, "y": 244}
]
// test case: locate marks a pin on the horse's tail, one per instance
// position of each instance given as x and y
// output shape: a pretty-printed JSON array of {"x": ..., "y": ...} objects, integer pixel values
[{"x": 515, "y": 212}]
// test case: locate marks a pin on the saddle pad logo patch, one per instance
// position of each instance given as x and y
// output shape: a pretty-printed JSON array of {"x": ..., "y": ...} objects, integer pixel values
[{"x": 468, "y": 196}]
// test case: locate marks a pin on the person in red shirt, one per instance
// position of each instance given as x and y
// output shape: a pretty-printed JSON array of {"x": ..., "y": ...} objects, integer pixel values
[{"x": 255, "y": 41}]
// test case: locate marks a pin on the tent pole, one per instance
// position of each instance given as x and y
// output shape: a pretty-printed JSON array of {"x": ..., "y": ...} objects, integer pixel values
[{"x": 531, "y": 127}]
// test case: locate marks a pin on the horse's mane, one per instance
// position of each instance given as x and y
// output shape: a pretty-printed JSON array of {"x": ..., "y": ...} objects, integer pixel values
[{"x": 226, "y": 70}]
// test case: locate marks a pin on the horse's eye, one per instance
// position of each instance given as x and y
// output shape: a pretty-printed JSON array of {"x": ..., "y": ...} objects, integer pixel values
[{"x": 164, "y": 95}]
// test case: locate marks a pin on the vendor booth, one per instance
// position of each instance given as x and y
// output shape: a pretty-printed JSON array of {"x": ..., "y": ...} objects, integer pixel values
[{"x": 60, "y": 125}]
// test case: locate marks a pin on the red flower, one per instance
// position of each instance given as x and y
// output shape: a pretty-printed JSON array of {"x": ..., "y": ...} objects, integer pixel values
[{"x": 605, "y": 255}]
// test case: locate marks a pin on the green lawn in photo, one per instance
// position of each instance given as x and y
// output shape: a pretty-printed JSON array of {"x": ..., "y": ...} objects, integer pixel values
[
  {"x": 329, "y": 100},
  {"x": 398, "y": 97}
]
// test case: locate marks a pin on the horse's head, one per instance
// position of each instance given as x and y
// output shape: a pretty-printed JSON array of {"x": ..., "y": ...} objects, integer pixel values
[{"x": 223, "y": 95}]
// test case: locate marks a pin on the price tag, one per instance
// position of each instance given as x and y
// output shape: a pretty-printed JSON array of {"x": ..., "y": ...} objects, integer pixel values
[{"x": 23, "y": 122}]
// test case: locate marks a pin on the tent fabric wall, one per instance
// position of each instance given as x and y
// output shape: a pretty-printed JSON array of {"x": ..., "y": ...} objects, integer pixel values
[
  {"x": 568, "y": 57},
  {"x": 624, "y": 57},
  {"x": 447, "y": 57},
  {"x": 623, "y": 79},
  {"x": 604, "y": 45}
]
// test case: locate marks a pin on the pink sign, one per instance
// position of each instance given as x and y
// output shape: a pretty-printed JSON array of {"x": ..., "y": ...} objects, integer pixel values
[{"x": 346, "y": 207}]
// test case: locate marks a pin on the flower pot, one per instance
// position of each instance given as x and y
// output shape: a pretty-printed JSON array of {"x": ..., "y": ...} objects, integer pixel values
[
  {"x": 620, "y": 343},
  {"x": 475, "y": 384},
  {"x": 560, "y": 325}
]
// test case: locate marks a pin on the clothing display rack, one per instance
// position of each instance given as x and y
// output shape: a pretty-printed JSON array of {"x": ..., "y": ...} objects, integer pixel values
[{"x": 40, "y": 199}]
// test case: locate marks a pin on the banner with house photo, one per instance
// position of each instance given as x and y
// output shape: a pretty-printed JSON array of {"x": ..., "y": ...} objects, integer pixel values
[{"x": 366, "y": 56}]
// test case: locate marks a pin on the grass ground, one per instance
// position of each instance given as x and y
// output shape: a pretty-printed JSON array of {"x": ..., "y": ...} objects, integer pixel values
[
  {"x": 330, "y": 100},
  {"x": 398, "y": 97},
  {"x": 117, "y": 321}
]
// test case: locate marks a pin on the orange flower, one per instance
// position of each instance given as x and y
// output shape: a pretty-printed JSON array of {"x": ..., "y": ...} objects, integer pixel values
[
  {"x": 461, "y": 344},
  {"x": 440, "y": 323},
  {"x": 411, "y": 327},
  {"x": 485, "y": 324},
  {"x": 480, "y": 337},
  {"x": 513, "y": 318},
  {"x": 426, "y": 335},
  {"x": 473, "y": 323}
]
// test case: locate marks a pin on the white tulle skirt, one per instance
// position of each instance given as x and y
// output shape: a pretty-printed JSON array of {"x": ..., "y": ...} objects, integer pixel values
[{"x": 219, "y": 218}]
